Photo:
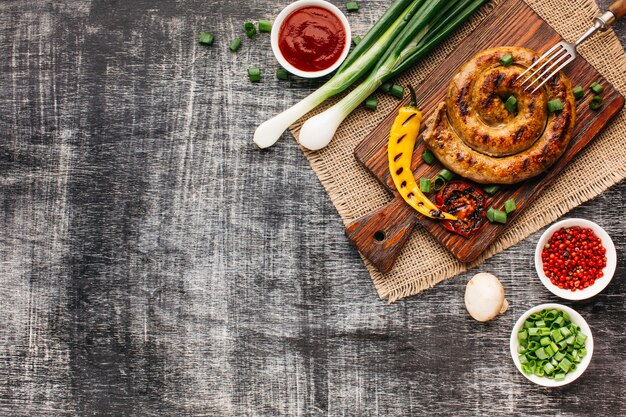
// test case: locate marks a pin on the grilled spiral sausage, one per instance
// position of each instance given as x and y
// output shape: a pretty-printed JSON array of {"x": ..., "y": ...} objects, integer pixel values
[{"x": 473, "y": 134}]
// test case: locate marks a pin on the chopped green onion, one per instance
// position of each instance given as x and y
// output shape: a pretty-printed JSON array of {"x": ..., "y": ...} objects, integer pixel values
[
  {"x": 254, "y": 74},
  {"x": 510, "y": 205},
  {"x": 385, "y": 88},
  {"x": 352, "y": 6},
  {"x": 205, "y": 39},
  {"x": 578, "y": 92},
  {"x": 282, "y": 74},
  {"x": 595, "y": 103},
  {"x": 235, "y": 44},
  {"x": 265, "y": 26},
  {"x": 596, "y": 88},
  {"x": 506, "y": 60},
  {"x": 555, "y": 105},
  {"x": 491, "y": 189},
  {"x": 249, "y": 28},
  {"x": 371, "y": 104},
  {"x": 356, "y": 40},
  {"x": 397, "y": 91},
  {"x": 428, "y": 157},
  {"x": 511, "y": 104},
  {"x": 539, "y": 353},
  {"x": 425, "y": 185},
  {"x": 499, "y": 216},
  {"x": 445, "y": 174},
  {"x": 438, "y": 183}
]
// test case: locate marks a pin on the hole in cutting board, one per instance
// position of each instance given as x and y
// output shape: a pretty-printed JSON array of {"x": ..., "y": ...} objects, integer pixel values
[{"x": 379, "y": 236}]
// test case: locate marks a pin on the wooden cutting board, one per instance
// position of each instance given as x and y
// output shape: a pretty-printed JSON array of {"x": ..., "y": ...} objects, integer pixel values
[{"x": 380, "y": 235}]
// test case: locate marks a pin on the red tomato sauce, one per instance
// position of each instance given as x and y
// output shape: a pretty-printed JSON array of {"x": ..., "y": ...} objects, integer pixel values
[{"x": 312, "y": 39}]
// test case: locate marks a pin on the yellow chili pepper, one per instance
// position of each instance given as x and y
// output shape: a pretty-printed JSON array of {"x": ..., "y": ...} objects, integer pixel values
[{"x": 402, "y": 138}]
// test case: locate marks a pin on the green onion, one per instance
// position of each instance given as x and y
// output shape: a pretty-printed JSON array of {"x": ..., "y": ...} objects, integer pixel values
[
  {"x": 235, "y": 44},
  {"x": 265, "y": 26},
  {"x": 356, "y": 40},
  {"x": 491, "y": 189},
  {"x": 249, "y": 28},
  {"x": 371, "y": 104},
  {"x": 506, "y": 60},
  {"x": 282, "y": 74},
  {"x": 205, "y": 39},
  {"x": 445, "y": 174},
  {"x": 555, "y": 105},
  {"x": 428, "y": 156},
  {"x": 352, "y": 6},
  {"x": 385, "y": 88},
  {"x": 595, "y": 103},
  {"x": 429, "y": 22},
  {"x": 438, "y": 183},
  {"x": 596, "y": 88},
  {"x": 542, "y": 352},
  {"x": 511, "y": 104},
  {"x": 494, "y": 215},
  {"x": 397, "y": 91},
  {"x": 425, "y": 185},
  {"x": 510, "y": 205},
  {"x": 578, "y": 92},
  {"x": 254, "y": 74}
]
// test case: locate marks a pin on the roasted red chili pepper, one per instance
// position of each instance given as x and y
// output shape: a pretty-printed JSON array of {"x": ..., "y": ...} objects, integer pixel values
[{"x": 466, "y": 202}]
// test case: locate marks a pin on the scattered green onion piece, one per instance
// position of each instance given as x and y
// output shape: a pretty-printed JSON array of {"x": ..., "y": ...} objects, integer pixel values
[
  {"x": 282, "y": 74},
  {"x": 596, "y": 88},
  {"x": 397, "y": 91},
  {"x": 356, "y": 40},
  {"x": 254, "y": 74},
  {"x": 555, "y": 105},
  {"x": 500, "y": 217},
  {"x": 206, "y": 39},
  {"x": 235, "y": 44},
  {"x": 506, "y": 60},
  {"x": 386, "y": 88},
  {"x": 249, "y": 28},
  {"x": 511, "y": 104},
  {"x": 445, "y": 174},
  {"x": 438, "y": 183},
  {"x": 265, "y": 26},
  {"x": 595, "y": 103},
  {"x": 490, "y": 216},
  {"x": 371, "y": 104},
  {"x": 352, "y": 6},
  {"x": 510, "y": 205},
  {"x": 425, "y": 185},
  {"x": 578, "y": 92},
  {"x": 491, "y": 189},
  {"x": 428, "y": 157},
  {"x": 559, "y": 377}
]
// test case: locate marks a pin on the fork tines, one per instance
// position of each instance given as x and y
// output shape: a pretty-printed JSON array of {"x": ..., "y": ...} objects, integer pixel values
[{"x": 557, "y": 57}]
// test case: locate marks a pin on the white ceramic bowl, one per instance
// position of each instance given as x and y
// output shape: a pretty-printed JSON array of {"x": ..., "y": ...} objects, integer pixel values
[
  {"x": 580, "y": 368},
  {"x": 278, "y": 22},
  {"x": 600, "y": 283}
]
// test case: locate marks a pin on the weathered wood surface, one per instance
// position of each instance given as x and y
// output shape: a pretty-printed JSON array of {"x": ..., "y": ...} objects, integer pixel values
[
  {"x": 153, "y": 262},
  {"x": 514, "y": 23}
]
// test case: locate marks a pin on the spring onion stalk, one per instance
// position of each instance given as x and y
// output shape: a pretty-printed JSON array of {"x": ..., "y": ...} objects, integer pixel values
[
  {"x": 433, "y": 22},
  {"x": 359, "y": 61}
]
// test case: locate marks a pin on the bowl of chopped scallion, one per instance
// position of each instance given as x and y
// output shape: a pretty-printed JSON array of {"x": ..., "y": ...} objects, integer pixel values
[{"x": 551, "y": 345}]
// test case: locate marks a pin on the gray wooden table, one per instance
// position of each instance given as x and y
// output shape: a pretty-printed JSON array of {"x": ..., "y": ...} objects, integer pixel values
[{"x": 153, "y": 261}]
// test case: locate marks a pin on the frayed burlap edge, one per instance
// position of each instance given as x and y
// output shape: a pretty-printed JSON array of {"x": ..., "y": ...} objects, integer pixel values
[{"x": 604, "y": 52}]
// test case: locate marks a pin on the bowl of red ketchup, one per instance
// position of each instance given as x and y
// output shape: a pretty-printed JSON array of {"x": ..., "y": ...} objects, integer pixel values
[{"x": 311, "y": 38}]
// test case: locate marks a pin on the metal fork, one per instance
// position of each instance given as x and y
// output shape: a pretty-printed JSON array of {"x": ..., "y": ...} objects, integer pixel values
[{"x": 563, "y": 52}]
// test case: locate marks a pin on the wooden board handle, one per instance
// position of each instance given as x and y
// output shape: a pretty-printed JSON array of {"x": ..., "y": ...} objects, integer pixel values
[
  {"x": 381, "y": 234},
  {"x": 618, "y": 8}
]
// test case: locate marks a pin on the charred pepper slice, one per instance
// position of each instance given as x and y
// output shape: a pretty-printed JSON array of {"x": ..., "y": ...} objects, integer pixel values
[{"x": 400, "y": 151}]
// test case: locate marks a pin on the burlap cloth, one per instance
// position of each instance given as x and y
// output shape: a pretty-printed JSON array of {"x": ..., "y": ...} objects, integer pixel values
[{"x": 423, "y": 262}]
